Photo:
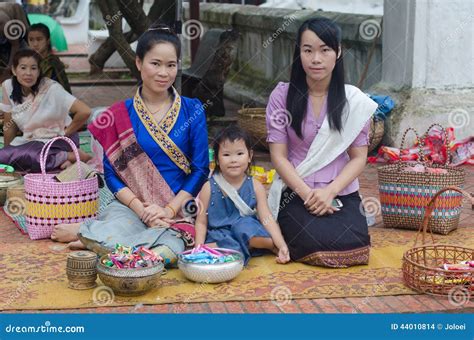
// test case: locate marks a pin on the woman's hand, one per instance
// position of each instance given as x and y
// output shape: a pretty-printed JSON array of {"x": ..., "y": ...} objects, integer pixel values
[
  {"x": 153, "y": 213},
  {"x": 159, "y": 222},
  {"x": 283, "y": 255},
  {"x": 319, "y": 202}
]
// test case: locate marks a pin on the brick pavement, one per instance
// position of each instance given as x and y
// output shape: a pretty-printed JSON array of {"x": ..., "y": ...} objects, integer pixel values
[{"x": 383, "y": 304}]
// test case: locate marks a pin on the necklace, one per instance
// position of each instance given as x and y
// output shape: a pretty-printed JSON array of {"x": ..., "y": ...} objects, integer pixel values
[
  {"x": 159, "y": 109},
  {"x": 312, "y": 95}
]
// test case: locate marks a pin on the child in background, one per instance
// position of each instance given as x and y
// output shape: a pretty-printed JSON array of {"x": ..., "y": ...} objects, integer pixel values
[
  {"x": 228, "y": 218},
  {"x": 39, "y": 39}
]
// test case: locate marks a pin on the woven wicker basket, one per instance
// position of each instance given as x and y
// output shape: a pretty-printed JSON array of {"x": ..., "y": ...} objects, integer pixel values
[
  {"x": 404, "y": 196},
  {"x": 253, "y": 121},
  {"x": 377, "y": 129},
  {"x": 422, "y": 265}
]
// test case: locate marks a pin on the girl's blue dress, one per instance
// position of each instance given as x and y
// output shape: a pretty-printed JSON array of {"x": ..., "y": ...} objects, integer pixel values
[{"x": 225, "y": 225}]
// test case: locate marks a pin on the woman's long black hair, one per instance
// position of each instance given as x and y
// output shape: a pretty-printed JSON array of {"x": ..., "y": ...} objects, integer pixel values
[
  {"x": 297, "y": 98},
  {"x": 17, "y": 93}
]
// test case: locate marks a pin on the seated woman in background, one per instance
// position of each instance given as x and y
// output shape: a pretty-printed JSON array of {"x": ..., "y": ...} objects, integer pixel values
[
  {"x": 39, "y": 107},
  {"x": 39, "y": 40}
]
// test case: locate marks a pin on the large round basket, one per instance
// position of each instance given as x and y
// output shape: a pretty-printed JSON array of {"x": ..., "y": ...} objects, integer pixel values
[
  {"x": 377, "y": 128},
  {"x": 253, "y": 121},
  {"x": 423, "y": 265}
]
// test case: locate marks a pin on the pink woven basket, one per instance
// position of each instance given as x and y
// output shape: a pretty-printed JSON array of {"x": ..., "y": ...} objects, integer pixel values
[{"x": 49, "y": 202}]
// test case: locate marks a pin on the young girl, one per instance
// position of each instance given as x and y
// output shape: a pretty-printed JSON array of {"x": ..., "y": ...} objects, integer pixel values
[
  {"x": 39, "y": 39},
  {"x": 230, "y": 198}
]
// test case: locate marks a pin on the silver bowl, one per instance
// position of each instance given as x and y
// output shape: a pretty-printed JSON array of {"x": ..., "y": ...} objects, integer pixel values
[
  {"x": 130, "y": 281},
  {"x": 211, "y": 273}
]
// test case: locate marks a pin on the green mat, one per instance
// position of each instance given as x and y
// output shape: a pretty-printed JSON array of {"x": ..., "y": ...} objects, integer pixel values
[{"x": 84, "y": 141}]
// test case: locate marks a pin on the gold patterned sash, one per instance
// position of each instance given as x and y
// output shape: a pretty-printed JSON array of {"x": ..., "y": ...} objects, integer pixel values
[{"x": 159, "y": 132}]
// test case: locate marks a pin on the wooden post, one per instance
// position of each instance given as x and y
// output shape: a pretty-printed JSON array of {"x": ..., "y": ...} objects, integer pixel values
[{"x": 194, "y": 14}]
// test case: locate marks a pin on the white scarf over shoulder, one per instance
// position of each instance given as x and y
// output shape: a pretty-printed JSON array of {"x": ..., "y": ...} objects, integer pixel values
[
  {"x": 232, "y": 193},
  {"x": 328, "y": 145}
]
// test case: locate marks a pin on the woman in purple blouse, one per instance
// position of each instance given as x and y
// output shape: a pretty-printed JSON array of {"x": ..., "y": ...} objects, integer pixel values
[{"x": 318, "y": 136}]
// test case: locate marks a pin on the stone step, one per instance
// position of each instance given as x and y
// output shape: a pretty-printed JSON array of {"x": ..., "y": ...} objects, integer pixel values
[{"x": 103, "y": 82}]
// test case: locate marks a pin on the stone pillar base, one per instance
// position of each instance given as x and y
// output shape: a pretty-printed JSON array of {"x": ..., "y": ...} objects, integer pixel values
[{"x": 421, "y": 107}]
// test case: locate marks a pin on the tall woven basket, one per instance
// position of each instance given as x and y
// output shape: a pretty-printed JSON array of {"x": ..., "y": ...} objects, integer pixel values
[
  {"x": 49, "y": 202},
  {"x": 377, "y": 129},
  {"x": 253, "y": 121},
  {"x": 422, "y": 266},
  {"x": 404, "y": 195}
]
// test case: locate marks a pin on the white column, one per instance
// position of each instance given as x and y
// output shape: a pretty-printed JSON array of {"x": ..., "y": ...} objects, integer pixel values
[
  {"x": 428, "y": 51},
  {"x": 428, "y": 43}
]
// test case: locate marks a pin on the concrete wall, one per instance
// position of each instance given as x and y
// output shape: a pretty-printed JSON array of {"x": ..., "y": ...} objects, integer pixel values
[
  {"x": 428, "y": 68},
  {"x": 428, "y": 44},
  {"x": 267, "y": 41}
]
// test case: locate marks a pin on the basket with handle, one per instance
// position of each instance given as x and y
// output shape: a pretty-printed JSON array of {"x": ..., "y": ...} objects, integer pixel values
[
  {"x": 377, "y": 129},
  {"x": 422, "y": 266},
  {"x": 253, "y": 120},
  {"x": 49, "y": 202},
  {"x": 404, "y": 195}
]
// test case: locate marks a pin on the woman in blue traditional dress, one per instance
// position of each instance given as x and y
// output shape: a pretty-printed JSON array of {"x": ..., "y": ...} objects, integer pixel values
[{"x": 156, "y": 159}]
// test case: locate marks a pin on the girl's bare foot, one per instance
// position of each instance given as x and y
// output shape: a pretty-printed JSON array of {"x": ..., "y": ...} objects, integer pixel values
[
  {"x": 65, "y": 232},
  {"x": 76, "y": 245}
]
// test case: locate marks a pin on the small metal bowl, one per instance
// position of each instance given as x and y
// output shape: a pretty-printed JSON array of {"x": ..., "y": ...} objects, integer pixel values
[
  {"x": 214, "y": 272},
  {"x": 130, "y": 281}
]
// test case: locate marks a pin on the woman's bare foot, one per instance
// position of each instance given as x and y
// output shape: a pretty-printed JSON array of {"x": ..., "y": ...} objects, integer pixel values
[
  {"x": 65, "y": 232},
  {"x": 76, "y": 245}
]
